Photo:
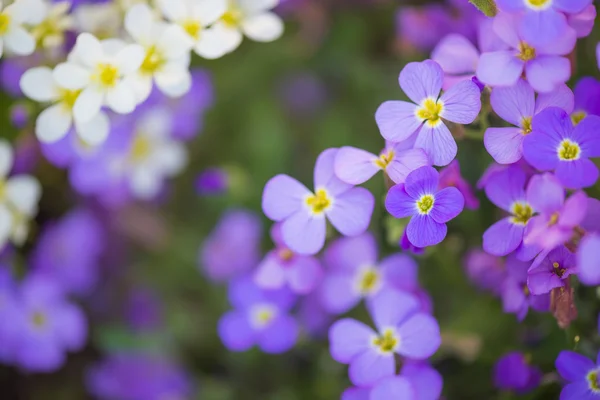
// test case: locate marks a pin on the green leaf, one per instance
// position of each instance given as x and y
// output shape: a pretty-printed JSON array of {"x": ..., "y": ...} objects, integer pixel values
[{"x": 487, "y": 7}]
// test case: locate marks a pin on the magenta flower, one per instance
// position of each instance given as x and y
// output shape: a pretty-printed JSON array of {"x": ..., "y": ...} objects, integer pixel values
[
  {"x": 516, "y": 297},
  {"x": 401, "y": 329},
  {"x": 513, "y": 372},
  {"x": 428, "y": 207},
  {"x": 517, "y": 105},
  {"x": 581, "y": 374},
  {"x": 543, "y": 21},
  {"x": 451, "y": 177},
  {"x": 555, "y": 145},
  {"x": 303, "y": 213},
  {"x": 549, "y": 271},
  {"x": 397, "y": 160},
  {"x": 422, "y": 83},
  {"x": 557, "y": 218},
  {"x": 282, "y": 267},
  {"x": 588, "y": 255},
  {"x": 544, "y": 66}
]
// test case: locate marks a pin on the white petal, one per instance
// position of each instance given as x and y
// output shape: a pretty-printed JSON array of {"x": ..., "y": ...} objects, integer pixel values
[
  {"x": 38, "y": 84},
  {"x": 174, "y": 84},
  {"x": 173, "y": 10},
  {"x": 95, "y": 131},
  {"x": 89, "y": 50},
  {"x": 23, "y": 192},
  {"x": 139, "y": 22},
  {"x": 218, "y": 41},
  {"x": 174, "y": 42},
  {"x": 156, "y": 124},
  {"x": 264, "y": 27},
  {"x": 53, "y": 123},
  {"x": 112, "y": 46},
  {"x": 6, "y": 222},
  {"x": 6, "y": 158},
  {"x": 209, "y": 11},
  {"x": 141, "y": 86},
  {"x": 255, "y": 6},
  {"x": 20, "y": 230},
  {"x": 145, "y": 183},
  {"x": 19, "y": 41},
  {"x": 29, "y": 11},
  {"x": 130, "y": 58},
  {"x": 88, "y": 104},
  {"x": 1, "y": 47},
  {"x": 121, "y": 98},
  {"x": 71, "y": 76},
  {"x": 172, "y": 157}
]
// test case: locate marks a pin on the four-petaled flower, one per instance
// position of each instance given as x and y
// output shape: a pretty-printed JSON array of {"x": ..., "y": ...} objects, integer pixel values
[{"x": 582, "y": 376}]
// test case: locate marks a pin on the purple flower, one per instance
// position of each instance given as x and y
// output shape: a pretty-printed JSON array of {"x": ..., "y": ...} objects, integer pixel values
[
  {"x": 233, "y": 247},
  {"x": 397, "y": 160},
  {"x": 513, "y": 372},
  {"x": 555, "y": 145},
  {"x": 143, "y": 310},
  {"x": 451, "y": 177},
  {"x": 422, "y": 83},
  {"x": 259, "y": 318},
  {"x": 429, "y": 207},
  {"x": 485, "y": 270},
  {"x": 581, "y": 375},
  {"x": 557, "y": 218},
  {"x": 133, "y": 376},
  {"x": 588, "y": 255},
  {"x": 401, "y": 329},
  {"x": 543, "y": 21},
  {"x": 212, "y": 181},
  {"x": 425, "y": 380},
  {"x": 355, "y": 273},
  {"x": 303, "y": 213},
  {"x": 517, "y": 105},
  {"x": 516, "y": 297},
  {"x": 550, "y": 271},
  {"x": 583, "y": 22},
  {"x": 506, "y": 189},
  {"x": 587, "y": 93},
  {"x": 282, "y": 267},
  {"x": 544, "y": 66}
]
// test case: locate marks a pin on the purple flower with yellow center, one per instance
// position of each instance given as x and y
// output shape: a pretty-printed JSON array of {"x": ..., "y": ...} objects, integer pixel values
[
  {"x": 506, "y": 189},
  {"x": 355, "y": 273},
  {"x": 557, "y": 218},
  {"x": 581, "y": 374},
  {"x": 588, "y": 255},
  {"x": 303, "y": 213},
  {"x": 543, "y": 65},
  {"x": 428, "y": 207},
  {"x": 549, "y": 271},
  {"x": 400, "y": 329},
  {"x": 451, "y": 177},
  {"x": 543, "y": 21},
  {"x": 514, "y": 372},
  {"x": 518, "y": 105},
  {"x": 422, "y": 83},
  {"x": 259, "y": 318},
  {"x": 396, "y": 160},
  {"x": 587, "y": 93},
  {"x": 555, "y": 145},
  {"x": 282, "y": 267},
  {"x": 516, "y": 297}
]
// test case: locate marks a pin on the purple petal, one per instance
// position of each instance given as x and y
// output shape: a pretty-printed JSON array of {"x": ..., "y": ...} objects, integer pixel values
[
  {"x": 419, "y": 337},
  {"x": 391, "y": 308},
  {"x": 577, "y": 174},
  {"x": 574, "y": 210},
  {"x": 505, "y": 25},
  {"x": 73, "y": 329},
  {"x": 571, "y": 6},
  {"x": 397, "y": 120},
  {"x": 400, "y": 271},
  {"x": 351, "y": 211},
  {"x": 338, "y": 294},
  {"x": 513, "y": 297},
  {"x": 445, "y": 54},
  {"x": 506, "y": 186},
  {"x": 586, "y": 134},
  {"x": 235, "y": 331},
  {"x": 542, "y": 281},
  {"x": 545, "y": 193},
  {"x": 514, "y": 103},
  {"x": 398, "y": 203},
  {"x": 462, "y": 103},
  {"x": 348, "y": 338},
  {"x": 349, "y": 253},
  {"x": 279, "y": 336},
  {"x": 426, "y": 381},
  {"x": 282, "y": 197},
  {"x": 541, "y": 27},
  {"x": 397, "y": 387},
  {"x": 304, "y": 233},
  {"x": 355, "y": 393},
  {"x": 355, "y": 166},
  {"x": 578, "y": 391},
  {"x": 487, "y": 39},
  {"x": 243, "y": 293},
  {"x": 503, "y": 237},
  {"x": 511, "y": 6},
  {"x": 270, "y": 274},
  {"x": 422, "y": 181},
  {"x": 370, "y": 366},
  {"x": 421, "y": 80},
  {"x": 573, "y": 366},
  {"x": 545, "y": 73},
  {"x": 423, "y": 231},
  {"x": 438, "y": 143},
  {"x": 449, "y": 202},
  {"x": 324, "y": 175},
  {"x": 404, "y": 163},
  {"x": 505, "y": 145},
  {"x": 561, "y": 97},
  {"x": 499, "y": 68},
  {"x": 587, "y": 260},
  {"x": 304, "y": 274}
]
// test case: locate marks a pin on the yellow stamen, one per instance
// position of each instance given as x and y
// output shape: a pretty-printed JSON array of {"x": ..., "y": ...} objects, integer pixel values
[
  {"x": 106, "y": 74},
  {"x": 69, "y": 97},
  {"x": 538, "y": 4},
  {"x": 526, "y": 125},
  {"x": 193, "y": 28},
  {"x": 39, "y": 319},
  {"x": 385, "y": 159},
  {"x": 578, "y": 116},
  {"x": 430, "y": 111},
  {"x": 152, "y": 62},
  {"x": 425, "y": 204},
  {"x": 522, "y": 213},
  {"x": 558, "y": 270},
  {"x": 319, "y": 202},
  {"x": 233, "y": 17},
  {"x": 526, "y": 52},
  {"x": 5, "y": 20},
  {"x": 592, "y": 379},
  {"x": 141, "y": 148},
  {"x": 568, "y": 150},
  {"x": 388, "y": 342},
  {"x": 369, "y": 281}
]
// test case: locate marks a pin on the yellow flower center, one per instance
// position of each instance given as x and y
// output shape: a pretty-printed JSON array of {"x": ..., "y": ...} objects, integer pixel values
[
  {"x": 425, "y": 204},
  {"x": 522, "y": 213},
  {"x": 69, "y": 97},
  {"x": 388, "y": 342},
  {"x": 39, "y": 319},
  {"x": 526, "y": 126},
  {"x": 526, "y": 52},
  {"x": 106, "y": 74},
  {"x": 369, "y": 281},
  {"x": 319, "y": 202},
  {"x": 141, "y": 148},
  {"x": 578, "y": 116},
  {"x": 568, "y": 150},
  {"x": 4, "y": 23},
  {"x": 385, "y": 159},
  {"x": 232, "y": 17},
  {"x": 538, "y": 4},
  {"x": 49, "y": 32},
  {"x": 431, "y": 111},
  {"x": 526, "y": 291},
  {"x": 152, "y": 62},
  {"x": 262, "y": 315},
  {"x": 592, "y": 379},
  {"x": 2, "y": 190},
  {"x": 558, "y": 270},
  {"x": 193, "y": 28},
  {"x": 285, "y": 254},
  {"x": 553, "y": 219}
]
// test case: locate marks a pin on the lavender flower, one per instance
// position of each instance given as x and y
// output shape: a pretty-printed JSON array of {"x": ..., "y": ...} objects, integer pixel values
[
  {"x": 550, "y": 271},
  {"x": 513, "y": 372},
  {"x": 422, "y": 83},
  {"x": 516, "y": 297},
  {"x": 581, "y": 375},
  {"x": 303, "y": 213},
  {"x": 429, "y": 207}
]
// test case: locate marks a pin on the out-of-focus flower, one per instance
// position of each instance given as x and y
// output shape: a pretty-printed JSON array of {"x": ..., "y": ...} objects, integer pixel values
[
  {"x": 513, "y": 372},
  {"x": 554, "y": 145},
  {"x": 233, "y": 247},
  {"x": 303, "y": 213},
  {"x": 451, "y": 177},
  {"x": 19, "y": 115},
  {"x": 581, "y": 375},
  {"x": 422, "y": 83},
  {"x": 259, "y": 318},
  {"x": 144, "y": 310},
  {"x": 429, "y": 208},
  {"x": 516, "y": 297},
  {"x": 550, "y": 271},
  {"x": 50, "y": 32},
  {"x": 13, "y": 36},
  {"x": 303, "y": 93},
  {"x": 313, "y": 318},
  {"x": 588, "y": 256},
  {"x": 587, "y": 92},
  {"x": 103, "y": 18},
  {"x": 485, "y": 270},
  {"x": 212, "y": 181},
  {"x": 583, "y": 22}
]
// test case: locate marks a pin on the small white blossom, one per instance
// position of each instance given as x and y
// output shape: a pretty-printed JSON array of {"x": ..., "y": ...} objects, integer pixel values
[
  {"x": 55, "y": 121},
  {"x": 50, "y": 33},
  {"x": 167, "y": 58},
  {"x": 19, "y": 198},
  {"x": 99, "y": 71},
  {"x": 13, "y": 35}
]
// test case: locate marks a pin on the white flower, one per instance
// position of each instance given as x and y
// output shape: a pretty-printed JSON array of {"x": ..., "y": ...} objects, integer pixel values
[
  {"x": 55, "y": 121},
  {"x": 104, "y": 20},
  {"x": 167, "y": 58},
  {"x": 12, "y": 18},
  {"x": 19, "y": 197},
  {"x": 100, "y": 70},
  {"x": 248, "y": 17},
  {"x": 50, "y": 33},
  {"x": 195, "y": 16}
]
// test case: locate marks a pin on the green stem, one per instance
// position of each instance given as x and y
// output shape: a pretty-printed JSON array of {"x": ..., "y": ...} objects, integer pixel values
[{"x": 487, "y": 7}]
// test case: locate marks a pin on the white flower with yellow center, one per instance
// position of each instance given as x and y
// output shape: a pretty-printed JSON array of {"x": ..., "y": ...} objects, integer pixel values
[
  {"x": 13, "y": 35},
  {"x": 19, "y": 197},
  {"x": 55, "y": 121},
  {"x": 50, "y": 33},
  {"x": 252, "y": 18},
  {"x": 195, "y": 17},
  {"x": 167, "y": 58},
  {"x": 99, "y": 71}
]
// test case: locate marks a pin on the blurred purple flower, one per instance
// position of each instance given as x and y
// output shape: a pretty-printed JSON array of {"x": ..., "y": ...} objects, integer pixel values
[
  {"x": 303, "y": 93},
  {"x": 312, "y": 316},
  {"x": 143, "y": 310},
  {"x": 587, "y": 95},
  {"x": 549, "y": 271},
  {"x": 513, "y": 372},
  {"x": 19, "y": 115},
  {"x": 516, "y": 297},
  {"x": 581, "y": 374},
  {"x": 212, "y": 181},
  {"x": 485, "y": 270},
  {"x": 451, "y": 177},
  {"x": 588, "y": 256}
]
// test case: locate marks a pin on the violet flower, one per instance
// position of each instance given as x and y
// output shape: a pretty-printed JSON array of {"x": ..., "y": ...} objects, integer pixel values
[
  {"x": 587, "y": 93},
  {"x": 513, "y": 372},
  {"x": 581, "y": 375},
  {"x": 588, "y": 255},
  {"x": 549, "y": 271}
]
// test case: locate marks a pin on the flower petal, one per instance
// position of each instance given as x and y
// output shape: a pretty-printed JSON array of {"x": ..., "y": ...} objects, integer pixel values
[
  {"x": 505, "y": 145},
  {"x": 53, "y": 123},
  {"x": 235, "y": 331},
  {"x": 19, "y": 41},
  {"x": 348, "y": 338},
  {"x": 337, "y": 293},
  {"x": 506, "y": 186},
  {"x": 391, "y": 308},
  {"x": 397, "y": 120},
  {"x": 351, "y": 211},
  {"x": 503, "y": 237},
  {"x": 355, "y": 166},
  {"x": 264, "y": 27},
  {"x": 304, "y": 274},
  {"x": 121, "y": 98},
  {"x": 577, "y": 174},
  {"x": 6, "y": 158},
  {"x": 397, "y": 387},
  {"x": 324, "y": 174},
  {"x": 514, "y": 103},
  {"x": 282, "y": 197},
  {"x": 573, "y": 366},
  {"x": 38, "y": 84},
  {"x": 304, "y": 233},
  {"x": 279, "y": 336},
  {"x": 462, "y": 103},
  {"x": 423, "y": 231},
  {"x": 419, "y": 337},
  {"x": 71, "y": 76},
  {"x": 421, "y": 80},
  {"x": 422, "y": 181},
  {"x": 561, "y": 97},
  {"x": 545, "y": 73},
  {"x": 587, "y": 260},
  {"x": 499, "y": 68},
  {"x": 445, "y": 54},
  {"x": 438, "y": 143},
  {"x": 369, "y": 367},
  {"x": 87, "y": 105},
  {"x": 24, "y": 192},
  {"x": 404, "y": 163},
  {"x": 95, "y": 131},
  {"x": 399, "y": 203},
  {"x": 449, "y": 202},
  {"x": 349, "y": 253}
]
